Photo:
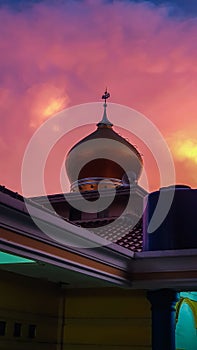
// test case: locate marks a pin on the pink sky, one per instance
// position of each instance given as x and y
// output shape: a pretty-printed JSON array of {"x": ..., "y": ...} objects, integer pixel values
[{"x": 56, "y": 56}]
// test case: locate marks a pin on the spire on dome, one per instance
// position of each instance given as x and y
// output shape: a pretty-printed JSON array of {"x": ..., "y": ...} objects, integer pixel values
[{"x": 105, "y": 121}]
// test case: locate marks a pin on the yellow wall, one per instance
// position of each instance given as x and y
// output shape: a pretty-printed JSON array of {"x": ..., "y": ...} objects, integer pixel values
[
  {"x": 80, "y": 319},
  {"x": 28, "y": 301},
  {"x": 104, "y": 319}
]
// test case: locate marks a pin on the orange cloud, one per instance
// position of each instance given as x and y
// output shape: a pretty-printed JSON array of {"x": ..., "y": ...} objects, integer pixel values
[
  {"x": 184, "y": 146},
  {"x": 186, "y": 149},
  {"x": 45, "y": 100}
]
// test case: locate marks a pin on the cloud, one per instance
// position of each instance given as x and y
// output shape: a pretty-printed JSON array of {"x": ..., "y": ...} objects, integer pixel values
[
  {"x": 43, "y": 101},
  {"x": 183, "y": 144},
  {"x": 57, "y": 54}
]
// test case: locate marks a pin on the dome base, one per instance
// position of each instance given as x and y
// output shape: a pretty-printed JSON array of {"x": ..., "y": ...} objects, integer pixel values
[{"x": 92, "y": 184}]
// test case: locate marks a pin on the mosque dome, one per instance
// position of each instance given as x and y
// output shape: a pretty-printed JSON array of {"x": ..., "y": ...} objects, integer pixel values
[{"x": 101, "y": 158}]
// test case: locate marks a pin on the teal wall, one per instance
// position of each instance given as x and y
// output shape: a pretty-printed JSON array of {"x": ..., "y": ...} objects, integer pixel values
[{"x": 186, "y": 332}]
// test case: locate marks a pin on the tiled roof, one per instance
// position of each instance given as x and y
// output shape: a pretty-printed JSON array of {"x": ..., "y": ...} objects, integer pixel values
[
  {"x": 122, "y": 231},
  {"x": 133, "y": 240}
]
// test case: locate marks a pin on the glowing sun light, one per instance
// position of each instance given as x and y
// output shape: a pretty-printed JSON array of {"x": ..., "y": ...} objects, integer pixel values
[
  {"x": 54, "y": 106},
  {"x": 186, "y": 149}
]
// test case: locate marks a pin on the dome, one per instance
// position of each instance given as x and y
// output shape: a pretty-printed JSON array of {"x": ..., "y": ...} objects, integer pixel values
[{"x": 100, "y": 158}]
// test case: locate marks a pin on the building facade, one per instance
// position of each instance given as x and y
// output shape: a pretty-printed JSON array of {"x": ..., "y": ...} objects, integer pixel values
[{"x": 104, "y": 283}]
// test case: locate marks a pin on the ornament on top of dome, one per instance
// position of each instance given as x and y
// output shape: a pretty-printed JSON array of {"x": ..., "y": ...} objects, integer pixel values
[{"x": 105, "y": 121}]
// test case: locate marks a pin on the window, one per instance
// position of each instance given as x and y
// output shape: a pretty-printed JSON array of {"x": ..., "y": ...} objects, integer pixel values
[
  {"x": 17, "y": 329},
  {"x": 2, "y": 328},
  {"x": 32, "y": 331}
]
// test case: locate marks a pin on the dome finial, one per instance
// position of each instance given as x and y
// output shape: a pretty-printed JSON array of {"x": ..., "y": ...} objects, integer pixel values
[
  {"x": 105, "y": 121},
  {"x": 106, "y": 95}
]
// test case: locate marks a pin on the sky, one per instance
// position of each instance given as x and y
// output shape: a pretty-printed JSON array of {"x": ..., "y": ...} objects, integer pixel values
[{"x": 58, "y": 54}]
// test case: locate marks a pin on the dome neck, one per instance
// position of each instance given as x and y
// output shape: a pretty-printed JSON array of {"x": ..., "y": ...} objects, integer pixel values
[
  {"x": 95, "y": 184},
  {"x": 105, "y": 121}
]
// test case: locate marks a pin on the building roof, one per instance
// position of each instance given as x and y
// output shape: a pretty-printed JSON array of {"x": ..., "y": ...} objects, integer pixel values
[
  {"x": 112, "y": 263},
  {"x": 119, "y": 231},
  {"x": 124, "y": 232},
  {"x": 12, "y": 194}
]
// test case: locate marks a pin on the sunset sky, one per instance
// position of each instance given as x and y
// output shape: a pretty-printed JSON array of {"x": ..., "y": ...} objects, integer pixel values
[{"x": 57, "y": 54}]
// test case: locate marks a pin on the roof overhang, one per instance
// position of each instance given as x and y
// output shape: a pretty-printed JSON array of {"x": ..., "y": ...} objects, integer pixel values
[
  {"x": 101, "y": 265},
  {"x": 164, "y": 269},
  {"x": 20, "y": 236}
]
